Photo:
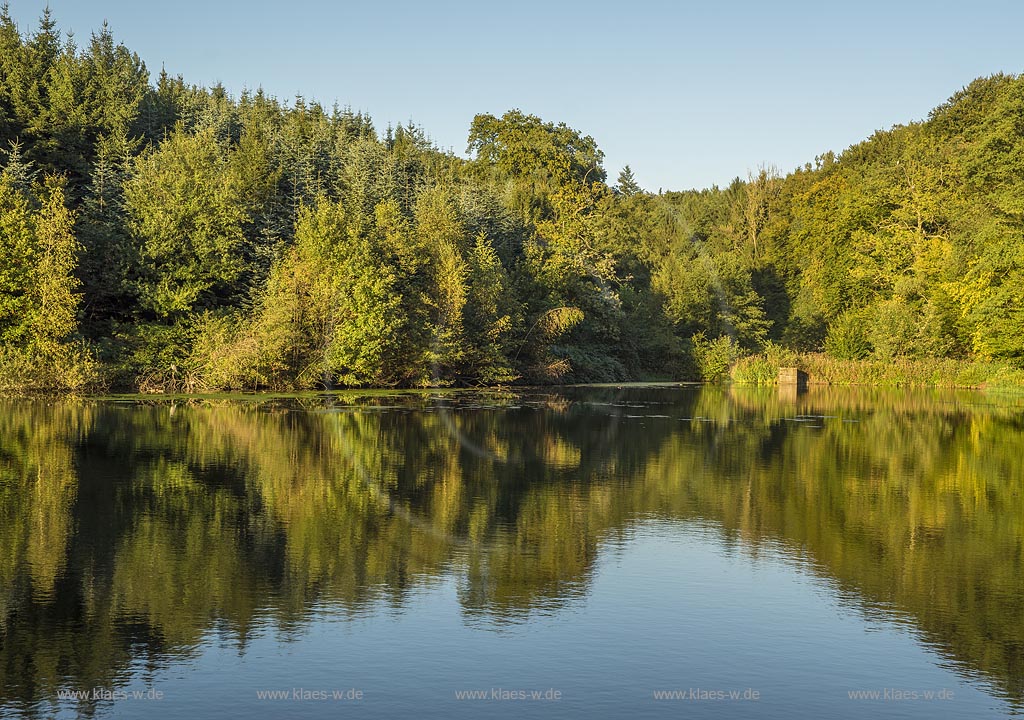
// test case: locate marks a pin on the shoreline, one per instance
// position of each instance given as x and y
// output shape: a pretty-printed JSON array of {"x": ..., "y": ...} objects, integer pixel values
[
  {"x": 749, "y": 372},
  {"x": 822, "y": 370}
]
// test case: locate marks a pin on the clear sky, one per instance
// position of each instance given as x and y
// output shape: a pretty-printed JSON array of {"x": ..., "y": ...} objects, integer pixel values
[{"x": 688, "y": 94}]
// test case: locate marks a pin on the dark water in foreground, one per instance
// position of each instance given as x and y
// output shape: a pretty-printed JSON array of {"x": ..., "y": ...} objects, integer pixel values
[{"x": 572, "y": 553}]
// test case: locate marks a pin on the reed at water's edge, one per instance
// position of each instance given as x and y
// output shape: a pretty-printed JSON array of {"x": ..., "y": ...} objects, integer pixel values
[{"x": 821, "y": 369}]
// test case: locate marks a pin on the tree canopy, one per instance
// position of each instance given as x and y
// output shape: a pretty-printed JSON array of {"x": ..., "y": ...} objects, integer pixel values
[{"x": 163, "y": 236}]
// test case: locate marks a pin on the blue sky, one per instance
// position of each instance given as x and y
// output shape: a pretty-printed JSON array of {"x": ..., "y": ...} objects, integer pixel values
[{"x": 688, "y": 94}]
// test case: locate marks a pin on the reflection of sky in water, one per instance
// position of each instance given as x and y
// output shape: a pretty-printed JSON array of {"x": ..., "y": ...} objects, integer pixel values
[
  {"x": 605, "y": 544},
  {"x": 671, "y": 606}
]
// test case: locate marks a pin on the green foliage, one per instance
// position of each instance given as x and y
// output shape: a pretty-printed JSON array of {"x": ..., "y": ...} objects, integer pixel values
[
  {"x": 526, "y": 148},
  {"x": 892, "y": 330},
  {"x": 186, "y": 209},
  {"x": 908, "y": 372},
  {"x": 546, "y": 361},
  {"x": 212, "y": 242},
  {"x": 714, "y": 357},
  {"x": 18, "y": 251},
  {"x": 627, "y": 184},
  {"x": 490, "y": 317},
  {"x": 39, "y": 344},
  {"x": 847, "y": 338},
  {"x": 763, "y": 368},
  {"x": 332, "y": 312},
  {"x": 714, "y": 294},
  {"x": 754, "y": 370},
  {"x": 60, "y": 99}
]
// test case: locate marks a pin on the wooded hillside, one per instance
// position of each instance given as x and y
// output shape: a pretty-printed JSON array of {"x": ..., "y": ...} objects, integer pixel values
[{"x": 164, "y": 237}]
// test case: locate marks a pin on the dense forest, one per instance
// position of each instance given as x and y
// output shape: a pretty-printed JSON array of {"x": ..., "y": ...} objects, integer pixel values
[{"x": 160, "y": 236}]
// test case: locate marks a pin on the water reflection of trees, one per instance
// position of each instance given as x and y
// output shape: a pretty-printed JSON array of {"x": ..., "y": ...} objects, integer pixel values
[{"x": 133, "y": 530}]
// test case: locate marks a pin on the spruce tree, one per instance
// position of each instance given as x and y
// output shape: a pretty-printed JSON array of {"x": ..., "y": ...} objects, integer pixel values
[{"x": 627, "y": 184}]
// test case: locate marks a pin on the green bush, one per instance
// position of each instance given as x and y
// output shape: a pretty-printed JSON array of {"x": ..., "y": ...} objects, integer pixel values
[
  {"x": 68, "y": 367},
  {"x": 909, "y": 372},
  {"x": 714, "y": 357},
  {"x": 754, "y": 370},
  {"x": 892, "y": 329},
  {"x": 847, "y": 338}
]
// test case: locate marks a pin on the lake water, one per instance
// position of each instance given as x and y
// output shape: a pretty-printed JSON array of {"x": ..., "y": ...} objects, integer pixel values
[{"x": 640, "y": 552}]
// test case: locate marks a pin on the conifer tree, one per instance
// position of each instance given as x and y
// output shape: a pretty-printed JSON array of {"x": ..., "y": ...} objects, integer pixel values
[{"x": 627, "y": 184}]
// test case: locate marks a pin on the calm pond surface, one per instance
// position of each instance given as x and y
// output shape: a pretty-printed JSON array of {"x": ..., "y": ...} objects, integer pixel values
[{"x": 581, "y": 552}]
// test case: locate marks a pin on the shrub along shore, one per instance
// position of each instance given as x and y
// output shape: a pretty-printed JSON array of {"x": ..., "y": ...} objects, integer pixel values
[{"x": 763, "y": 369}]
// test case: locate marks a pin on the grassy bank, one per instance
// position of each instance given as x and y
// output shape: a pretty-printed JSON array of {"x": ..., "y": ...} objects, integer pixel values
[
  {"x": 714, "y": 364},
  {"x": 822, "y": 369}
]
